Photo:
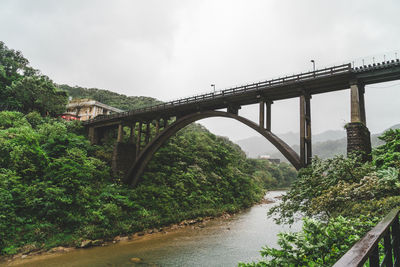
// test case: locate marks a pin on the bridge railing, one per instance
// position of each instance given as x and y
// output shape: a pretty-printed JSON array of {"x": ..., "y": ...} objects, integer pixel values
[
  {"x": 383, "y": 241},
  {"x": 234, "y": 91},
  {"x": 374, "y": 66}
]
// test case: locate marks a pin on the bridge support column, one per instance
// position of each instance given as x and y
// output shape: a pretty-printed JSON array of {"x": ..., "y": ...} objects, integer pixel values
[
  {"x": 262, "y": 114},
  {"x": 93, "y": 136},
  {"x": 157, "y": 126},
  {"x": 123, "y": 156},
  {"x": 124, "y": 153},
  {"x": 305, "y": 130},
  {"x": 357, "y": 103},
  {"x": 269, "y": 103},
  {"x": 138, "y": 140},
  {"x": 120, "y": 136},
  {"x": 358, "y": 135},
  {"x": 234, "y": 109},
  {"x": 147, "y": 139},
  {"x": 132, "y": 135}
]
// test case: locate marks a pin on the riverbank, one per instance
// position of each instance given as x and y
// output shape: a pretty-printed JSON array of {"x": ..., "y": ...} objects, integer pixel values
[
  {"x": 53, "y": 252},
  {"x": 148, "y": 234},
  {"x": 179, "y": 244}
]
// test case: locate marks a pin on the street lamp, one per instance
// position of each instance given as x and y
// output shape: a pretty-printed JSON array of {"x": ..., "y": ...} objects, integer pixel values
[
  {"x": 213, "y": 86},
  {"x": 313, "y": 63}
]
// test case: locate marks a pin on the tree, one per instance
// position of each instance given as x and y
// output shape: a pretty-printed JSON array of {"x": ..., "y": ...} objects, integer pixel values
[
  {"x": 24, "y": 89},
  {"x": 38, "y": 93},
  {"x": 388, "y": 155},
  {"x": 318, "y": 244}
]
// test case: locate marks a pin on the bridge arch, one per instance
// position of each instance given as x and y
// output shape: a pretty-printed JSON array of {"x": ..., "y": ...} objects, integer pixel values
[{"x": 151, "y": 148}]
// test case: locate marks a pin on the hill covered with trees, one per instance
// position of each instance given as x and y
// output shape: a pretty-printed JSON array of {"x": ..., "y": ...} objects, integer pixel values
[
  {"x": 24, "y": 88},
  {"x": 109, "y": 98},
  {"x": 341, "y": 199},
  {"x": 57, "y": 189}
]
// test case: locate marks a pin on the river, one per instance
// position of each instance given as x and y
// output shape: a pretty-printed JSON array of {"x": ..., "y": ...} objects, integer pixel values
[{"x": 222, "y": 242}]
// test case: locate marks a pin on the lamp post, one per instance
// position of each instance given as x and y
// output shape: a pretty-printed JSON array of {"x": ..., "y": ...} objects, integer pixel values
[
  {"x": 213, "y": 86},
  {"x": 313, "y": 63}
]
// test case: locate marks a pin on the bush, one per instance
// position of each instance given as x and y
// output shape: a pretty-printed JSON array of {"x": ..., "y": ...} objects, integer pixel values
[
  {"x": 388, "y": 155},
  {"x": 317, "y": 180},
  {"x": 318, "y": 244},
  {"x": 348, "y": 198}
]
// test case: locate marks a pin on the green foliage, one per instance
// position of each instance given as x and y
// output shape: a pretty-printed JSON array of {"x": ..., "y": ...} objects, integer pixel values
[
  {"x": 388, "y": 155},
  {"x": 272, "y": 176},
  {"x": 347, "y": 197},
  {"x": 13, "y": 66},
  {"x": 318, "y": 244},
  {"x": 37, "y": 93},
  {"x": 317, "y": 180},
  {"x": 24, "y": 89},
  {"x": 47, "y": 180},
  {"x": 204, "y": 171},
  {"x": 10, "y": 119},
  {"x": 110, "y": 98},
  {"x": 54, "y": 189}
]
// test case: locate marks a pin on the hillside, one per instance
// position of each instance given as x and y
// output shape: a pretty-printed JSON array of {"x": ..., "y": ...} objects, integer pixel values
[
  {"x": 109, "y": 98},
  {"x": 57, "y": 190}
]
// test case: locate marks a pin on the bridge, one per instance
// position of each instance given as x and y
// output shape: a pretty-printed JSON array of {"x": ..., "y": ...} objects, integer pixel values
[{"x": 152, "y": 126}]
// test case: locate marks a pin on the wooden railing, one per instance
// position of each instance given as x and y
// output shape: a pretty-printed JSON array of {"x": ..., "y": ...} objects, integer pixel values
[{"x": 383, "y": 241}]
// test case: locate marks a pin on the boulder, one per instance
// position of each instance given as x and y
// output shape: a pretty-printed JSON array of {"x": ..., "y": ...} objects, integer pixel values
[
  {"x": 97, "y": 242},
  {"x": 28, "y": 248},
  {"x": 136, "y": 260},
  {"x": 174, "y": 226},
  {"x": 57, "y": 249},
  {"x": 191, "y": 222},
  {"x": 86, "y": 243},
  {"x": 121, "y": 238}
]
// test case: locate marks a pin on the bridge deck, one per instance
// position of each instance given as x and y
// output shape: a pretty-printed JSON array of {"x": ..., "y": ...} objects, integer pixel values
[{"x": 321, "y": 81}]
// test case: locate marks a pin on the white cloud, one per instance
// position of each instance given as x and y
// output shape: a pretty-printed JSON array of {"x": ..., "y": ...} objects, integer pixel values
[{"x": 168, "y": 49}]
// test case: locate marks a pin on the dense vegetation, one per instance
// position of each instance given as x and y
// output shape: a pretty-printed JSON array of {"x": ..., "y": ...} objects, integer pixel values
[
  {"x": 56, "y": 189},
  {"x": 341, "y": 199},
  {"x": 110, "y": 98},
  {"x": 24, "y": 89}
]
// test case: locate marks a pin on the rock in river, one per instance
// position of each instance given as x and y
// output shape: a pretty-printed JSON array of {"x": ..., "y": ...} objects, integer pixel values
[{"x": 136, "y": 260}]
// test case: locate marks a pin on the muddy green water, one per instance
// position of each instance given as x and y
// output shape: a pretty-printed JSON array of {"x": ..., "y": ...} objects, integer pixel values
[{"x": 219, "y": 243}]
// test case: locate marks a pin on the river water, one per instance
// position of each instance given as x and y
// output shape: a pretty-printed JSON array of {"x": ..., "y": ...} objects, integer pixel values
[{"x": 222, "y": 242}]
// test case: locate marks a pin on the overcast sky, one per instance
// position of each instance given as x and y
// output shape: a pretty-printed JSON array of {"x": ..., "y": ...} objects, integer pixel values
[{"x": 170, "y": 49}]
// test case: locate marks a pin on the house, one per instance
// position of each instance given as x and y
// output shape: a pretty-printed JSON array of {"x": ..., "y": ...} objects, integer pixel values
[{"x": 86, "y": 109}]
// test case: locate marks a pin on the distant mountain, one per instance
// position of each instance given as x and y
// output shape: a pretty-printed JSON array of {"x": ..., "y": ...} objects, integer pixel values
[
  {"x": 397, "y": 126},
  {"x": 325, "y": 145},
  {"x": 257, "y": 145}
]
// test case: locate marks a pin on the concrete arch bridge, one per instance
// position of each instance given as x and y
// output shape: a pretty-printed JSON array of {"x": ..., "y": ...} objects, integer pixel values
[{"x": 131, "y": 157}]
